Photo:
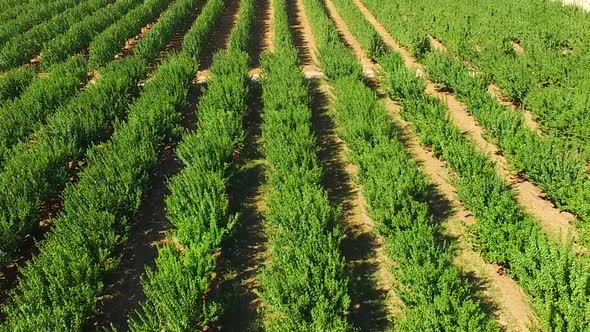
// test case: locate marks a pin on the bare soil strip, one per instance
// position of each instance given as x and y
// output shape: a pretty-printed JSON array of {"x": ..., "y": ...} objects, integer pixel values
[
  {"x": 123, "y": 289},
  {"x": 369, "y": 269},
  {"x": 304, "y": 40},
  {"x": 262, "y": 31},
  {"x": 496, "y": 92},
  {"x": 219, "y": 38},
  {"x": 554, "y": 222},
  {"x": 245, "y": 254},
  {"x": 507, "y": 299}
]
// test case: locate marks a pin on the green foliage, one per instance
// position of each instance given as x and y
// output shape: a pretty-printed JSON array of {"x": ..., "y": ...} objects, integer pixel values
[
  {"x": 23, "y": 47},
  {"x": 82, "y": 33},
  {"x": 337, "y": 61},
  {"x": 550, "y": 273},
  {"x": 198, "y": 206},
  {"x": 14, "y": 82},
  {"x": 304, "y": 285},
  {"x": 105, "y": 45},
  {"x": 195, "y": 41},
  {"x": 150, "y": 45},
  {"x": 421, "y": 46},
  {"x": 20, "y": 117},
  {"x": 546, "y": 161},
  {"x": 42, "y": 11},
  {"x": 58, "y": 288}
]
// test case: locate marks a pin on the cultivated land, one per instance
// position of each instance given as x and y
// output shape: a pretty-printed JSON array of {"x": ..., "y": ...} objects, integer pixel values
[{"x": 294, "y": 165}]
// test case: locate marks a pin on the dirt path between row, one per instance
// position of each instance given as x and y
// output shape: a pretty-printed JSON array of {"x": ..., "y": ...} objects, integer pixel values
[
  {"x": 374, "y": 301},
  {"x": 245, "y": 254},
  {"x": 555, "y": 223},
  {"x": 304, "y": 40},
  {"x": 496, "y": 92},
  {"x": 508, "y": 300}
]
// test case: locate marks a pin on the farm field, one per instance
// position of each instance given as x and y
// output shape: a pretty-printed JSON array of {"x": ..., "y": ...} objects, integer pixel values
[{"x": 294, "y": 165}]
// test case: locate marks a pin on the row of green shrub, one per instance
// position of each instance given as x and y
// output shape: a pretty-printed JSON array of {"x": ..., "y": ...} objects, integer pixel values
[
  {"x": 554, "y": 278},
  {"x": 59, "y": 287},
  {"x": 14, "y": 82},
  {"x": 81, "y": 34},
  {"x": 38, "y": 171},
  {"x": 435, "y": 294},
  {"x": 550, "y": 78},
  {"x": 10, "y": 10},
  {"x": 105, "y": 45},
  {"x": 303, "y": 286},
  {"x": 543, "y": 160},
  {"x": 23, "y": 47},
  {"x": 21, "y": 116},
  {"x": 34, "y": 15}
]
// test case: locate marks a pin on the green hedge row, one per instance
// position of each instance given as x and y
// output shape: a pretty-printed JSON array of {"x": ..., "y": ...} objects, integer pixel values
[
  {"x": 58, "y": 288},
  {"x": 14, "y": 82},
  {"x": 37, "y": 14},
  {"x": 304, "y": 284},
  {"x": 20, "y": 117},
  {"x": 554, "y": 278},
  {"x": 23, "y": 47},
  {"x": 103, "y": 47},
  {"x": 177, "y": 289},
  {"x": 38, "y": 171},
  {"x": 81, "y": 34},
  {"x": 149, "y": 46},
  {"x": 436, "y": 296}
]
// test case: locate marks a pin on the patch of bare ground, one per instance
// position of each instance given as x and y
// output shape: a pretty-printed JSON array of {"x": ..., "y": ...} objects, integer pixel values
[
  {"x": 219, "y": 38},
  {"x": 304, "y": 40},
  {"x": 262, "y": 31},
  {"x": 557, "y": 224},
  {"x": 503, "y": 296},
  {"x": 245, "y": 252},
  {"x": 518, "y": 49},
  {"x": 374, "y": 301},
  {"x": 123, "y": 290}
]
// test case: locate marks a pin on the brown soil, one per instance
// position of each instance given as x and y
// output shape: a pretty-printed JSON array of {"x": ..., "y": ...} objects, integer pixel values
[
  {"x": 509, "y": 301},
  {"x": 529, "y": 120},
  {"x": 371, "y": 283},
  {"x": 219, "y": 38},
  {"x": 348, "y": 39},
  {"x": 240, "y": 262},
  {"x": 517, "y": 47},
  {"x": 262, "y": 31},
  {"x": 554, "y": 222},
  {"x": 123, "y": 290},
  {"x": 437, "y": 44},
  {"x": 304, "y": 40}
]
